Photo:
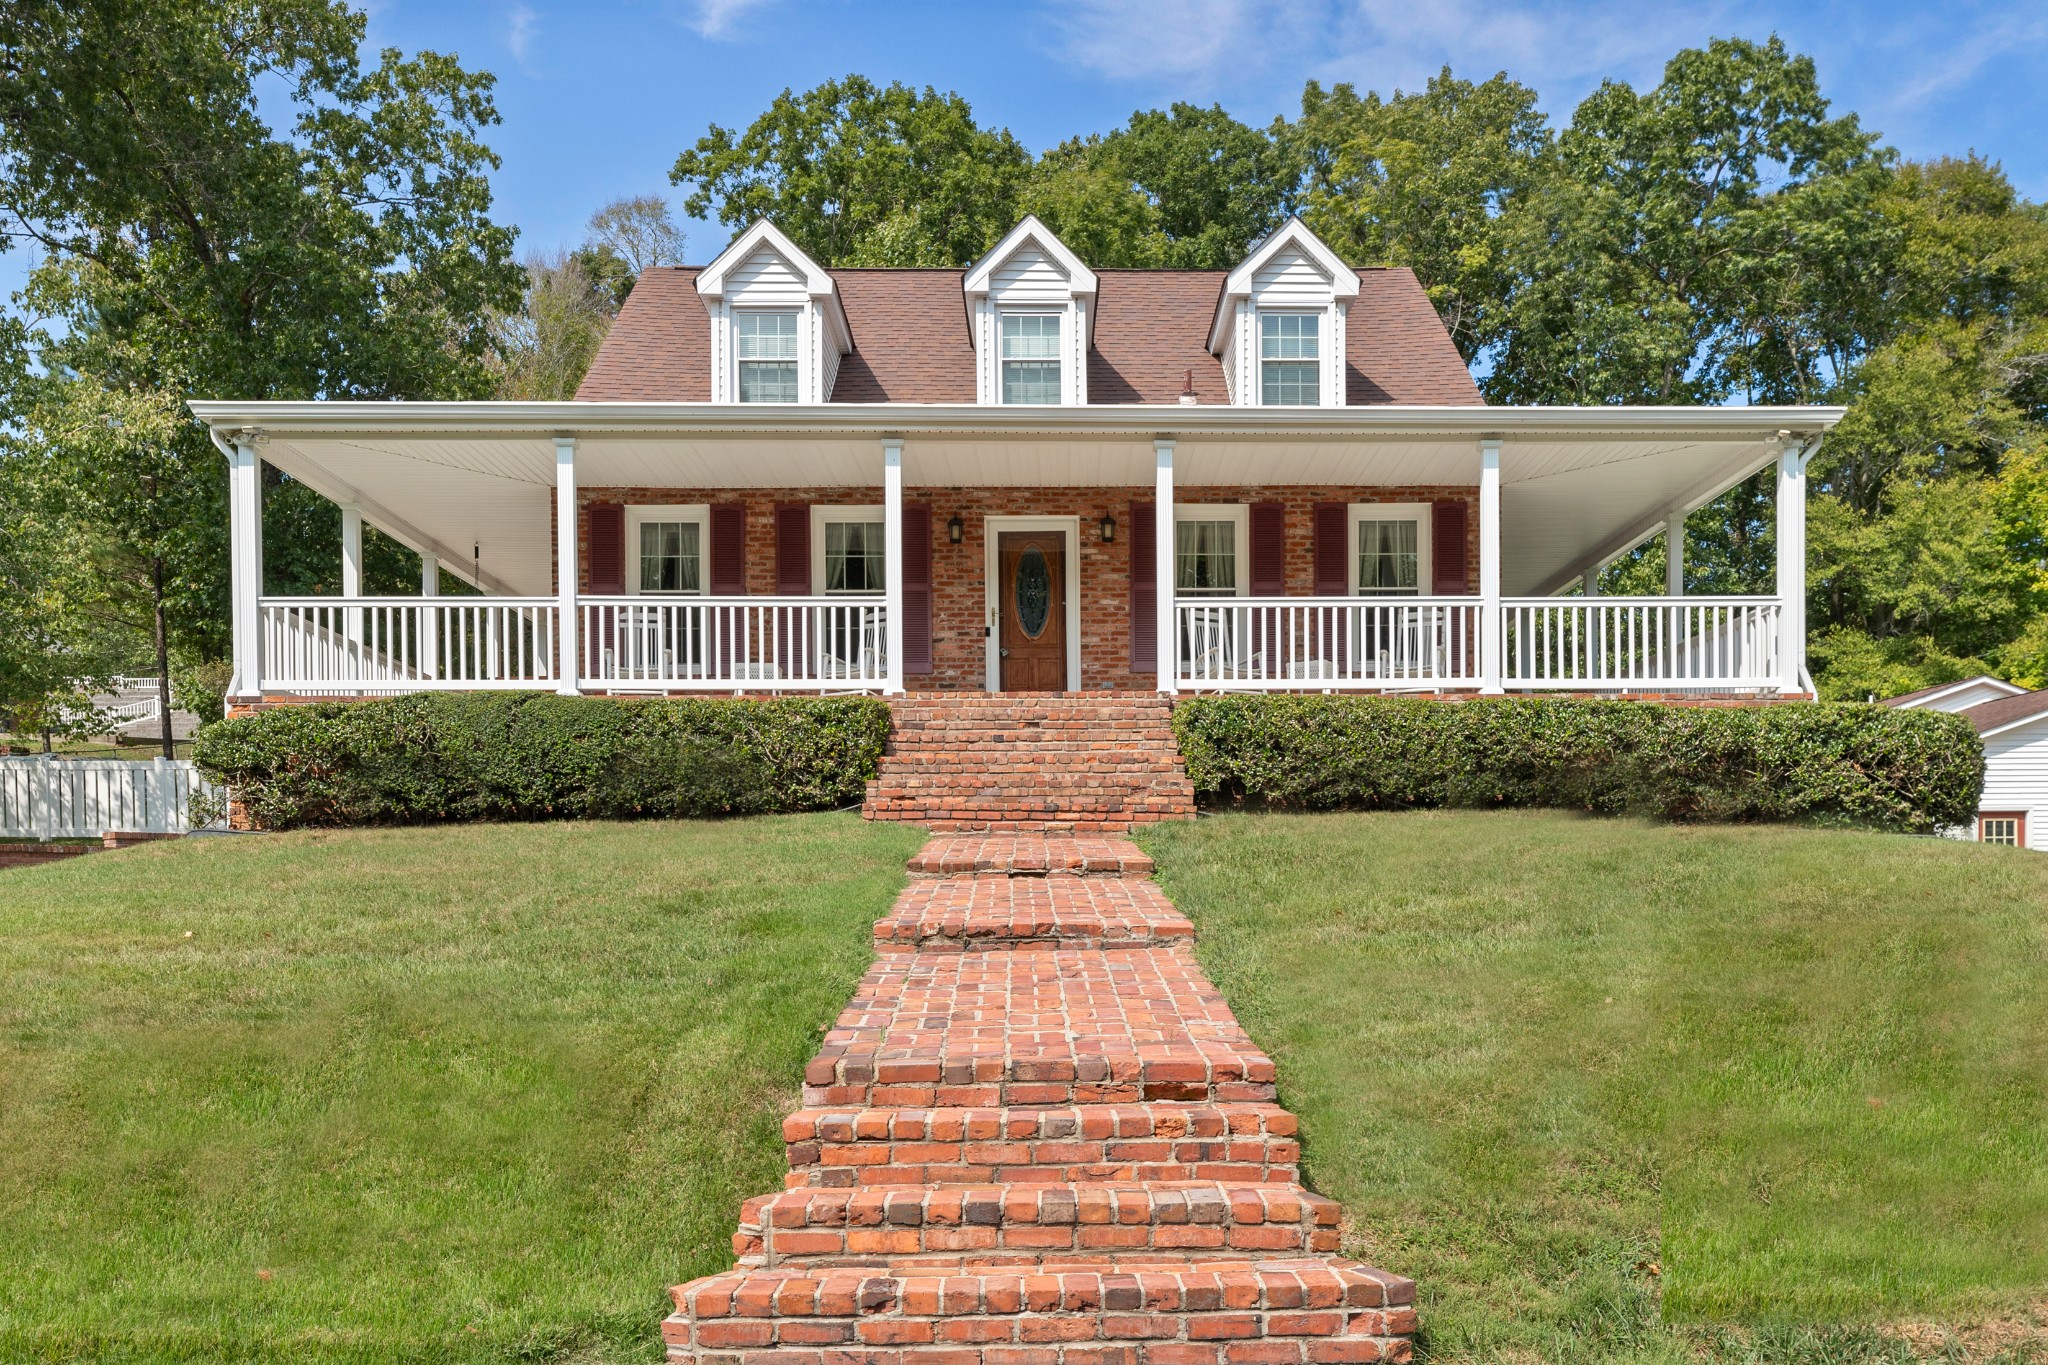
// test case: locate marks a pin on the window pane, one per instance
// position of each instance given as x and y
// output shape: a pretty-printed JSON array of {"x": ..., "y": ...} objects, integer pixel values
[
  {"x": 1387, "y": 556},
  {"x": 669, "y": 556},
  {"x": 767, "y": 336},
  {"x": 853, "y": 556},
  {"x": 767, "y": 381},
  {"x": 1031, "y": 336},
  {"x": 1999, "y": 830},
  {"x": 1031, "y": 381},
  {"x": 1285, "y": 382},
  {"x": 1288, "y": 336},
  {"x": 1205, "y": 557}
]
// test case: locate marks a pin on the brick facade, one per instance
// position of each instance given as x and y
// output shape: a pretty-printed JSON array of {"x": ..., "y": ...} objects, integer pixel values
[{"x": 959, "y": 575}]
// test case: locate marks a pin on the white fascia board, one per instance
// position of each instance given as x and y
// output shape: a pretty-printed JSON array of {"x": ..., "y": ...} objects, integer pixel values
[
  {"x": 1080, "y": 279},
  {"x": 2010, "y": 725},
  {"x": 711, "y": 279},
  {"x": 1981, "y": 680},
  {"x": 1238, "y": 283},
  {"x": 548, "y": 419}
]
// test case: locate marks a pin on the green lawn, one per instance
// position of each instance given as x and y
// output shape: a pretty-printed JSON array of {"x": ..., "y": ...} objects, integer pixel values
[
  {"x": 1793, "y": 1084},
  {"x": 455, "y": 1094}
]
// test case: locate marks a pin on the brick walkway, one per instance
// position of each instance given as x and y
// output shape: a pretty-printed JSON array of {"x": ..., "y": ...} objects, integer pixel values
[{"x": 1037, "y": 1136}]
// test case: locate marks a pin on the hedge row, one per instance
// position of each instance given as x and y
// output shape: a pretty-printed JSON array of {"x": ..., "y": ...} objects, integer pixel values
[
  {"x": 1841, "y": 763},
  {"x": 531, "y": 756}
]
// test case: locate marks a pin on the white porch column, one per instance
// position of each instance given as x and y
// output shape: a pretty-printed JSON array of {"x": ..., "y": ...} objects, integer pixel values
[
  {"x": 245, "y": 561},
  {"x": 352, "y": 570},
  {"x": 568, "y": 674},
  {"x": 430, "y": 634},
  {"x": 1674, "y": 553},
  {"x": 1589, "y": 581},
  {"x": 1792, "y": 458},
  {"x": 1167, "y": 637},
  {"x": 1490, "y": 624},
  {"x": 892, "y": 564}
]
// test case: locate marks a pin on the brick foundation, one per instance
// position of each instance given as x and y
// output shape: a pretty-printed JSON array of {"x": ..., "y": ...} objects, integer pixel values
[{"x": 35, "y": 855}]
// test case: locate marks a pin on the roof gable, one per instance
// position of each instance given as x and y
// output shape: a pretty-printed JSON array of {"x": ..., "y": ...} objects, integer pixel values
[
  {"x": 1030, "y": 256},
  {"x": 1956, "y": 696}
]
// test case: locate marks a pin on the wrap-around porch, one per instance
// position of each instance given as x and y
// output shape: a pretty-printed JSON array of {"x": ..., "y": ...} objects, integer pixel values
[{"x": 720, "y": 550}]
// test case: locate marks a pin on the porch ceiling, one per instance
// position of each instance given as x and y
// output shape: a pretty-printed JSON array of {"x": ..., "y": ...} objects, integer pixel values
[{"x": 1578, "y": 485}]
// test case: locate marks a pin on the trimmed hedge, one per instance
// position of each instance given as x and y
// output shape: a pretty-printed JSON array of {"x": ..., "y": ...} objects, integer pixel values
[
  {"x": 1842, "y": 763},
  {"x": 532, "y": 756}
]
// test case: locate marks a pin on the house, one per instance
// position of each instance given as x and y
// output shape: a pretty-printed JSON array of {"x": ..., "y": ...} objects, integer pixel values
[
  {"x": 1029, "y": 475},
  {"x": 2013, "y": 724}
]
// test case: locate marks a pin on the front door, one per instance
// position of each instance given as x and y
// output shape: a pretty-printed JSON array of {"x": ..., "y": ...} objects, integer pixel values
[{"x": 1031, "y": 606}]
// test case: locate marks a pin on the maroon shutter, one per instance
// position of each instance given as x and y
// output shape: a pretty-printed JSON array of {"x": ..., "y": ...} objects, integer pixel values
[
  {"x": 917, "y": 587},
  {"x": 1144, "y": 589},
  {"x": 1268, "y": 550},
  {"x": 1447, "y": 548},
  {"x": 792, "y": 549},
  {"x": 1332, "y": 572},
  {"x": 728, "y": 577},
  {"x": 607, "y": 524}
]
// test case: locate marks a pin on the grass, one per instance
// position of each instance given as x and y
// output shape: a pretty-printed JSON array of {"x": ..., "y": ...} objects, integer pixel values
[
  {"x": 1621, "y": 1092},
  {"x": 459, "y": 1094}
]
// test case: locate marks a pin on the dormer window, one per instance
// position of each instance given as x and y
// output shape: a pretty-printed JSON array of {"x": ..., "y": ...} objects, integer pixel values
[
  {"x": 767, "y": 356},
  {"x": 1031, "y": 357},
  {"x": 1290, "y": 363}
]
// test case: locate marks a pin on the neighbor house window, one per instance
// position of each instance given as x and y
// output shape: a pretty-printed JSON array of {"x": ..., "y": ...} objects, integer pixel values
[
  {"x": 667, "y": 545},
  {"x": 1205, "y": 557},
  {"x": 1031, "y": 357},
  {"x": 767, "y": 357},
  {"x": 1290, "y": 359},
  {"x": 848, "y": 549},
  {"x": 2001, "y": 829}
]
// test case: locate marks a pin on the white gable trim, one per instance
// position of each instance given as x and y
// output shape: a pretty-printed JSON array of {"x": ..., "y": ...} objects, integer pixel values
[
  {"x": 762, "y": 268},
  {"x": 1985, "y": 680},
  {"x": 1053, "y": 280},
  {"x": 1292, "y": 235},
  {"x": 1030, "y": 232},
  {"x": 2011, "y": 725}
]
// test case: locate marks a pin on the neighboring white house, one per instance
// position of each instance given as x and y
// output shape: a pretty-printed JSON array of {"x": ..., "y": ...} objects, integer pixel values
[{"x": 2013, "y": 723}]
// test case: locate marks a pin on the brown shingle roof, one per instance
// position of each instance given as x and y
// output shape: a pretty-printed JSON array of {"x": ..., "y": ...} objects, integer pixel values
[
  {"x": 910, "y": 338},
  {"x": 659, "y": 348},
  {"x": 1395, "y": 347},
  {"x": 911, "y": 341},
  {"x": 1990, "y": 715}
]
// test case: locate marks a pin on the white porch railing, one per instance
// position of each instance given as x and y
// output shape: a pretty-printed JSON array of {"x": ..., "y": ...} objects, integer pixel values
[
  {"x": 403, "y": 644},
  {"x": 1268, "y": 643},
  {"x": 1640, "y": 643},
  {"x": 60, "y": 798},
  {"x": 730, "y": 643}
]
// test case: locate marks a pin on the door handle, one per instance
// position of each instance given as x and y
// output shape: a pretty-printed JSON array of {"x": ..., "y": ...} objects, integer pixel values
[{"x": 1003, "y": 653}]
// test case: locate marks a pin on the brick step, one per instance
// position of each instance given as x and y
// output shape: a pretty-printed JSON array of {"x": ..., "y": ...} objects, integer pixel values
[
  {"x": 844, "y": 1148},
  {"x": 955, "y": 914},
  {"x": 1067, "y": 1026},
  {"x": 1041, "y": 1225},
  {"x": 1029, "y": 856},
  {"x": 1201, "y": 1312}
]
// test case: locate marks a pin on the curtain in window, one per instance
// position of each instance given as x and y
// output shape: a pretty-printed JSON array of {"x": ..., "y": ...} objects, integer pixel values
[
  {"x": 1387, "y": 556},
  {"x": 670, "y": 556},
  {"x": 853, "y": 556},
  {"x": 1204, "y": 557}
]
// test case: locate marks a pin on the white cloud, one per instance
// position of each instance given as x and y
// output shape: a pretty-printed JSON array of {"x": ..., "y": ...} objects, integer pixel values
[
  {"x": 715, "y": 18},
  {"x": 521, "y": 23}
]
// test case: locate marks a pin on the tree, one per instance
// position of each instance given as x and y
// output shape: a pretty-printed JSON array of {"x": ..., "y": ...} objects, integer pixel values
[
  {"x": 855, "y": 173},
  {"x": 1430, "y": 180},
  {"x": 638, "y": 232},
  {"x": 549, "y": 343},
  {"x": 194, "y": 248}
]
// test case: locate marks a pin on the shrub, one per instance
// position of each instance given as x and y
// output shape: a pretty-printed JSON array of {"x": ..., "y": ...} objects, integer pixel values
[
  {"x": 1844, "y": 763},
  {"x": 530, "y": 756}
]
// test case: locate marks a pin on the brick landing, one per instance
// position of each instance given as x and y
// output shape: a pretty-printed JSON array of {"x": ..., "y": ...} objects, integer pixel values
[
  {"x": 1070, "y": 763},
  {"x": 1037, "y": 1136}
]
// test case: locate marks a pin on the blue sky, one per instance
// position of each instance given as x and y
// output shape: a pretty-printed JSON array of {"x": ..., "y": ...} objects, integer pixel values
[{"x": 598, "y": 98}]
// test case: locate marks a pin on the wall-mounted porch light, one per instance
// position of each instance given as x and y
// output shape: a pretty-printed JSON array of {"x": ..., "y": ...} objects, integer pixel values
[
  {"x": 1108, "y": 528},
  {"x": 956, "y": 529}
]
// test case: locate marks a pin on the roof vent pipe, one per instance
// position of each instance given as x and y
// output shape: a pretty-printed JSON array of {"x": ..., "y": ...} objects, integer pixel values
[{"x": 1187, "y": 388}]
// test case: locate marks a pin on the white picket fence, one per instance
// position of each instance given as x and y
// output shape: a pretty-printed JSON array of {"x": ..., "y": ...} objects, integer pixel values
[{"x": 47, "y": 797}]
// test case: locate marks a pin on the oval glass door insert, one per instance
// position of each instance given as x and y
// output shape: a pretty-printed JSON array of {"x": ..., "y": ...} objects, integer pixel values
[{"x": 1033, "y": 591}]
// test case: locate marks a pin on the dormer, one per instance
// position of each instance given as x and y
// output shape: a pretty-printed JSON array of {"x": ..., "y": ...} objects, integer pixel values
[
  {"x": 777, "y": 327},
  {"x": 1279, "y": 326},
  {"x": 1032, "y": 307}
]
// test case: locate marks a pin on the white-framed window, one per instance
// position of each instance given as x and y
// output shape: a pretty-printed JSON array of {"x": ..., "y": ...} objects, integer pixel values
[
  {"x": 848, "y": 551},
  {"x": 1290, "y": 359},
  {"x": 667, "y": 549},
  {"x": 1211, "y": 548},
  {"x": 1390, "y": 550},
  {"x": 765, "y": 344},
  {"x": 2009, "y": 829},
  {"x": 1030, "y": 357}
]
